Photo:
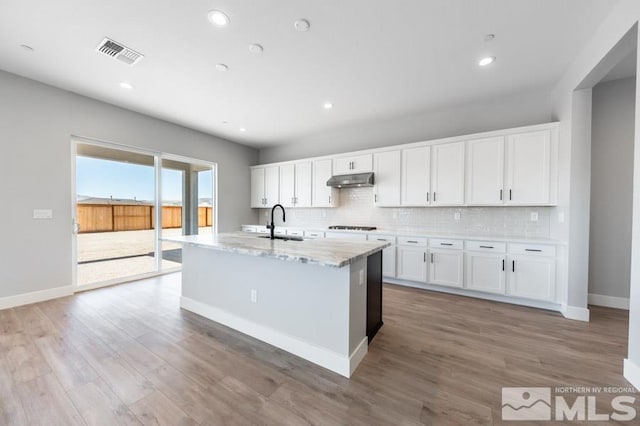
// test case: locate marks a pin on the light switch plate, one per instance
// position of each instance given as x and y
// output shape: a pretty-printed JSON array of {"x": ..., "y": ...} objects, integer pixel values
[
  {"x": 42, "y": 214},
  {"x": 456, "y": 216},
  {"x": 534, "y": 216}
]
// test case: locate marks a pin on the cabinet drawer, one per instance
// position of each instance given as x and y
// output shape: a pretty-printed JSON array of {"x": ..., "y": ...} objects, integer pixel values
[
  {"x": 280, "y": 231},
  {"x": 378, "y": 237},
  {"x": 447, "y": 244},
  {"x": 295, "y": 232},
  {"x": 486, "y": 246},
  {"x": 314, "y": 234},
  {"x": 262, "y": 230},
  {"x": 246, "y": 228},
  {"x": 412, "y": 241},
  {"x": 532, "y": 249},
  {"x": 346, "y": 235}
]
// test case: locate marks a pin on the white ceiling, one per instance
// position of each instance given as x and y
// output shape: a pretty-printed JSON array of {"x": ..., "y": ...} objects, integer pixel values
[{"x": 371, "y": 58}]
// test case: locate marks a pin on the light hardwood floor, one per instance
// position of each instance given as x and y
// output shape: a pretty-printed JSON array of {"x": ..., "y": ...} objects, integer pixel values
[{"x": 129, "y": 355}]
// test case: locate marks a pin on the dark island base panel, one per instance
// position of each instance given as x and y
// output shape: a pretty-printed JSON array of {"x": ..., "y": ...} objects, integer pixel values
[{"x": 374, "y": 294}]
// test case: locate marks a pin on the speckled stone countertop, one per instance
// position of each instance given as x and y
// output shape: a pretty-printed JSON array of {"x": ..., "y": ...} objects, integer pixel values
[{"x": 323, "y": 252}]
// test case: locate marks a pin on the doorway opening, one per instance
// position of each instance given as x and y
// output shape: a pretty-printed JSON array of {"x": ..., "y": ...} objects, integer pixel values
[{"x": 125, "y": 201}]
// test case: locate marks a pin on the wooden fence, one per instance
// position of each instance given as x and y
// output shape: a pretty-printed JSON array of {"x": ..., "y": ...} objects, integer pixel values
[{"x": 125, "y": 217}]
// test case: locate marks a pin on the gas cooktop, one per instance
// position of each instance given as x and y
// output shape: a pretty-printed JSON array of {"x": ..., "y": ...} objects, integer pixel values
[{"x": 353, "y": 228}]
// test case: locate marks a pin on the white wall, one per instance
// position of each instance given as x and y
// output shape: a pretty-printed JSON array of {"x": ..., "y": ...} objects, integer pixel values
[
  {"x": 612, "y": 135},
  {"x": 521, "y": 109},
  {"x": 357, "y": 208},
  {"x": 36, "y": 124},
  {"x": 620, "y": 21}
]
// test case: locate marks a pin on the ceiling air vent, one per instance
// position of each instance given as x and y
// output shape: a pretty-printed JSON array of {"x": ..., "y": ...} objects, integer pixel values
[{"x": 118, "y": 51}]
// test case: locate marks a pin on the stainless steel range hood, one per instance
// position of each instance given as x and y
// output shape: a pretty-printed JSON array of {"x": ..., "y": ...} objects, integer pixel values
[{"x": 351, "y": 181}]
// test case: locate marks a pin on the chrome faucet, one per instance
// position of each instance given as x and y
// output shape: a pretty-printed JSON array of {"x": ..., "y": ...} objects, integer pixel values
[{"x": 272, "y": 227}]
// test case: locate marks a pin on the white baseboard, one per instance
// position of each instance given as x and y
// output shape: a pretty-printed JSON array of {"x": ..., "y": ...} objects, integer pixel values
[
  {"x": 609, "y": 301},
  {"x": 344, "y": 365},
  {"x": 575, "y": 313},
  {"x": 35, "y": 297},
  {"x": 632, "y": 373}
]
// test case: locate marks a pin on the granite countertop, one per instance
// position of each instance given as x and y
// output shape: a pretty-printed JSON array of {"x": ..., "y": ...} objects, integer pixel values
[
  {"x": 331, "y": 253},
  {"x": 420, "y": 232}
]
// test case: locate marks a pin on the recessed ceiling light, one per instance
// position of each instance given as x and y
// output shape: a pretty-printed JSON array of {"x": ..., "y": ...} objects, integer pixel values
[
  {"x": 224, "y": 122},
  {"x": 242, "y": 129},
  {"x": 489, "y": 37},
  {"x": 302, "y": 25},
  {"x": 27, "y": 47},
  {"x": 328, "y": 105},
  {"x": 218, "y": 18},
  {"x": 256, "y": 48},
  {"x": 487, "y": 61},
  {"x": 222, "y": 67},
  {"x": 126, "y": 85}
]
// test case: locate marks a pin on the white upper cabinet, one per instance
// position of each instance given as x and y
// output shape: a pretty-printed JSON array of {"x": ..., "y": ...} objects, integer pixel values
[
  {"x": 323, "y": 195},
  {"x": 353, "y": 164},
  {"x": 528, "y": 168},
  {"x": 415, "y": 188},
  {"x": 303, "y": 184},
  {"x": 387, "y": 178},
  {"x": 257, "y": 188},
  {"x": 295, "y": 184},
  {"x": 287, "y": 185},
  {"x": 265, "y": 186},
  {"x": 447, "y": 174},
  {"x": 485, "y": 172}
]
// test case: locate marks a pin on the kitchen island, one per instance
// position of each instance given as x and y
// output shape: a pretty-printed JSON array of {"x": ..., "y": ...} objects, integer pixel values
[{"x": 318, "y": 299}]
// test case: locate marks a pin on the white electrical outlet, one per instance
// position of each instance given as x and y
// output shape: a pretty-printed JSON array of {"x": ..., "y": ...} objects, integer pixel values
[
  {"x": 456, "y": 216},
  {"x": 254, "y": 296},
  {"x": 534, "y": 216},
  {"x": 361, "y": 276},
  {"x": 43, "y": 214}
]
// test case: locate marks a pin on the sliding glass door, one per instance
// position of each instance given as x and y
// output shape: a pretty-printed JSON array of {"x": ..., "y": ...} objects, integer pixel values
[{"x": 126, "y": 201}]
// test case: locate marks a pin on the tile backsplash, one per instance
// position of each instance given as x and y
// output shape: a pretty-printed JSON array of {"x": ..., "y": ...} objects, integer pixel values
[{"x": 356, "y": 208}]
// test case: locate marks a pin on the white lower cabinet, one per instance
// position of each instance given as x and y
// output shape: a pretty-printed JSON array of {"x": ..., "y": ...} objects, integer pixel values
[
  {"x": 445, "y": 267},
  {"x": 486, "y": 272},
  {"x": 388, "y": 254},
  {"x": 531, "y": 277},
  {"x": 412, "y": 263}
]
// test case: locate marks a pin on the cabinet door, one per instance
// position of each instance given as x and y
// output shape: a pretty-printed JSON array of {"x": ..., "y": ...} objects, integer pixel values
[
  {"x": 528, "y": 168},
  {"x": 271, "y": 185},
  {"x": 323, "y": 195},
  {"x": 486, "y": 272},
  {"x": 389, "y": 262},
  {"x": 257, "y": 188},
  {"x": 287, "y": 185},
  {"x": 415, "y": 183},
  {"x": 485, "y": 171},
  {"x": 387, "y": 178},
  {"x": 445, "y": 267},
  {"x": 532, "y": 277},
  {"x": 412, "y": 263},
  {"x": 355, "y": 164},
  {"x": 447, "y": 174},
  {"x": 303, "y": 184}
]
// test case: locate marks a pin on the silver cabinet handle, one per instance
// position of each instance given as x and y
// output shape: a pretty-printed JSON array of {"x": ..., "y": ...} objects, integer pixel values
[
  {"x": 329, "y": 199},
  {"x": 411, "y": 241},
  {"x": 501, "y": 195},
  {"x": 536, "y": 250},
  {"x": 434, "y": 196},
  {"x": 487, "y": 247},
  {"x": 424, "y": 257},
  {"x": 510, "y": 197},
  {"x": 431, "y": 257},
  {"x": 375, "y": 198},
  {"x": 446, "y": 244},
  {"x": 428, "y": 197}
]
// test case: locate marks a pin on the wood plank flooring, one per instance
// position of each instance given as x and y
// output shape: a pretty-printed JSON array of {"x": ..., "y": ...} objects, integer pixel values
[{"x": 129, "y": 355}]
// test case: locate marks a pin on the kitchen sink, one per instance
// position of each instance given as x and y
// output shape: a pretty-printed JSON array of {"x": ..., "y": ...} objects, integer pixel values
[{"x": 283, "y": 237}]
